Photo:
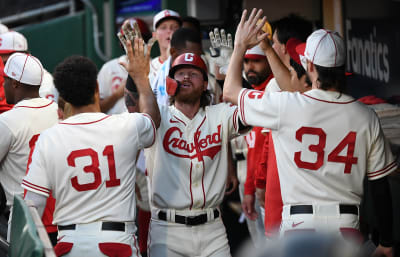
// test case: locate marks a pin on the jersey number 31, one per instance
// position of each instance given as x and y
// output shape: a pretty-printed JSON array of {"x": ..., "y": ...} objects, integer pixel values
[
  {"x": 349, "y": 140},
  {"x": 94, "y": 168}
]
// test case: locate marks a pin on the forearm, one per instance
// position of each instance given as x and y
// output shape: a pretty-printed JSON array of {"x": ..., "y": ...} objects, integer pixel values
[
  {"x": 131, "y": 96},
  {"x": 39, "y": 201},
  {"x": 147, "y": 100},
  {"x": 107, "y": 103},
  {"x": 280, "y": 71},
  {"x": 382, "y": 198},
  {"x": 233, "y": 80}
]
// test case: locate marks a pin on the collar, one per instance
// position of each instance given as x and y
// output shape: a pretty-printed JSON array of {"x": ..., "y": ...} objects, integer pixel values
[
  {"x": 329, "y": 96},
  {"x": 34, "y": 103},
  {"x": 85, "y": 118},
  {"x": 182, "y": 117},
  {"x": 262, "y": 86}
]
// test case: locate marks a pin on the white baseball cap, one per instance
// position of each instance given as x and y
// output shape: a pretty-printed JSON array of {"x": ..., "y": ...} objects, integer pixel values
[
  {"x": 255, "y": 53},
  {"x": 325, "y": 48},
  {"x": 12, "y": 41},
  {"x": 165, "y": 14},
  {"x": 3, "y": 28},
  {"x": 24, "y": 68}
]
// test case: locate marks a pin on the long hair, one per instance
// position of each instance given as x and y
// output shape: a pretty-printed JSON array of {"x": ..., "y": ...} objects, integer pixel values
[
  {"x": 332, "y": 78},
  {"x": 205, "y": 99}
]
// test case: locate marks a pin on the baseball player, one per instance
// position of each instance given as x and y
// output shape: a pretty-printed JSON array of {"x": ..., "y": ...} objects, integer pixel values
[
  {"x": 183, "y": 40},
  {"x": 21, "y": 125},
  {"x": 88, "y": 162},
  {"x": 325, "y": 141},
  {"x": 288, "y": 30},
  {"x": 258, "y": 74},
  {"x": 164, "y": 25},
  {"x": 11, "y": 42},
  {"x": 112, "y": 76},
  {"x": 187, "y": 166}
]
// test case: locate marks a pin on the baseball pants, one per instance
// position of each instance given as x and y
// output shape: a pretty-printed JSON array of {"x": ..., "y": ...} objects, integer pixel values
[
  {"x": 168, "y": 239},
  {"x": 334, "y": 219},
  {"x": 92, "y": 240}
]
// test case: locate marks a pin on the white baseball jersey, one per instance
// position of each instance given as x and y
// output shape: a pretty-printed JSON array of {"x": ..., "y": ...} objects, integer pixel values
[
  {"x": 187, "y": 164},
  {"x": 325, "y": 143},
  {"x": 88, "y": 163},
  {"x": 111, "y": 76},
  {"x": 47, "y": 88},
  {"x": 158, "y": 83},
  {"x": 272, "y": 86},
  {"x": 20, "y": 128},
  {"x": 155, "y": 65}
]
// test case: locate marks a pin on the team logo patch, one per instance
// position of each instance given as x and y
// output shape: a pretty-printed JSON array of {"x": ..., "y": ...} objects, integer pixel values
[
  {"x": 208, "y": 145},
  {"x": 254, "y": 94}
]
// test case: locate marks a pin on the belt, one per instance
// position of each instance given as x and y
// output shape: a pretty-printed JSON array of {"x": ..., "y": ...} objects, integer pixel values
[
  {"x": 303, "y": 209},
  {"x": 239, "y": 156},
  {"x": 106, "y": 225},
  {"x": 189, "y": 220}
]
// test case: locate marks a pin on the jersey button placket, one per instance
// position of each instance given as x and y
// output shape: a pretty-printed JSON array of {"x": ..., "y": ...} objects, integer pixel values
[{"x": 196, "y": 184}]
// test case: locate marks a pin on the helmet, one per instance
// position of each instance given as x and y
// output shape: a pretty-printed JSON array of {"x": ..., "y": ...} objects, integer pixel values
[
  {"x": 191, "y": 60},
  {"x": 143, "y": 27}
]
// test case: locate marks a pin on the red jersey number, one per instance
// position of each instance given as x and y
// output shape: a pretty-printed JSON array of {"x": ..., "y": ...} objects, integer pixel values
[
  {"x": 348, "y": 141},
  {"x": 94, "y": 168}
]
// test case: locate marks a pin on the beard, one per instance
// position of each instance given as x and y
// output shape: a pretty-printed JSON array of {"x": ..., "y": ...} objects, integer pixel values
[{"x": 256, "y": 79}]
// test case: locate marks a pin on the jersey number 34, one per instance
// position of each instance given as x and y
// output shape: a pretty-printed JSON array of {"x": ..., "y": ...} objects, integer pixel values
[
  {"x": 349, "y": 140},
  {"x": 94, "y": 168}
]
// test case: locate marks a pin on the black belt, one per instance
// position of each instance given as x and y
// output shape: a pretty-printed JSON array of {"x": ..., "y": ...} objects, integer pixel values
[
  {"x": 239, "y": 156},
  {"x": 303, "y": 209},
  {"x": 106, "y": 225},
  {"x": 189, "y": 220}
]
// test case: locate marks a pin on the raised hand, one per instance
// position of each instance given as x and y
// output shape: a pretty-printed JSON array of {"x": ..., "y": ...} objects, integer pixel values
[
  {"x": 248, "y": 32},
  {"x": 221, "y": 48},
  {"x": 130, "y": 31},
  {"x": 138, "y": 54}
]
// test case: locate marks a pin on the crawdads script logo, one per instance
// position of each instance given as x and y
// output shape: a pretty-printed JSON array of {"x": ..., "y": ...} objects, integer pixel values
[{"x": 174, "y": 144}]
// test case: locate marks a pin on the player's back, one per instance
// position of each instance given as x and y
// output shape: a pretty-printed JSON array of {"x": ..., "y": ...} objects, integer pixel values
[
  {"x": 89, "y": 160},
  {"x": 327, "y": 139},
  {"x": 24, "y": 122}
]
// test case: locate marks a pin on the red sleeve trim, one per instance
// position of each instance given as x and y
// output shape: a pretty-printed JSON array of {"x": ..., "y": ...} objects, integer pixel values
[
  {"x": 241, "y": 103},
  {"x": 34, "y": 187},
  {"x": 235, "y": 125},
  {"x": 154, "y": 128},
  {"x": 389, "y": 168}
]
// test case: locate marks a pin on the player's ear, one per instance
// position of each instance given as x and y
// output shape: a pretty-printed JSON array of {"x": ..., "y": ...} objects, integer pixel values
[
  {"x": 205, "y": 85},
  {"x": 97, "y": 87},
  {"x": 310, "y": 66},
  {"x": 14, "y": 83},
  {"x": 173, "y": 52}
]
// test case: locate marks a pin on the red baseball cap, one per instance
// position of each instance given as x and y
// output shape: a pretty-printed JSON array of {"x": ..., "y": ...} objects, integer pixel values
[{"x": 189, "y": 59}]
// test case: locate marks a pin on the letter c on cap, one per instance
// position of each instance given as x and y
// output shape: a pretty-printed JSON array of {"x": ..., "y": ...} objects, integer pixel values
[{"x": 189, "y": 57}]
